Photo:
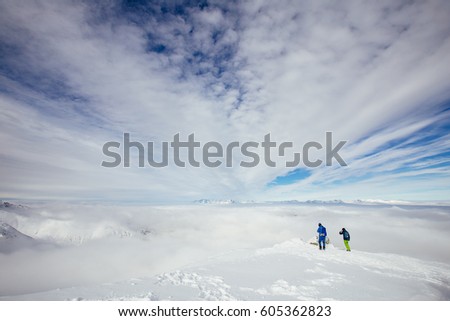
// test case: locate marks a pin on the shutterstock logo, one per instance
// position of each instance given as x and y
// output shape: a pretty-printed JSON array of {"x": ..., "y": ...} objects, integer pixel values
[{"x": 214, "y": 154}]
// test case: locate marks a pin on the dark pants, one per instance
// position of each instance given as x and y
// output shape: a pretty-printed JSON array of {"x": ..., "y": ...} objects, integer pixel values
[{"x": 322, "y": 242}]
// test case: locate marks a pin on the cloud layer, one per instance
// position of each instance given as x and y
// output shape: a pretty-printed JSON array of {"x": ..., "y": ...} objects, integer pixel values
[{"x": 82, "y": 245}]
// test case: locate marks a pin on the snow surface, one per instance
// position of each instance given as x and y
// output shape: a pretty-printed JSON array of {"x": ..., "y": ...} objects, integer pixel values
[{"x": 223, "y": 252}]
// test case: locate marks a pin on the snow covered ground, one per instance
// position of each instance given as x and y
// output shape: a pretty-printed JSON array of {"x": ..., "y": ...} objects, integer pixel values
[{"x": 224, "y": 251}]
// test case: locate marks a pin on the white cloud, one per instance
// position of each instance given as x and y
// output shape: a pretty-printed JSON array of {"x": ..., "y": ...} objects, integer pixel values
[
  {"x": 369, "y": 72},
  {"x": 94, "y": 244}
]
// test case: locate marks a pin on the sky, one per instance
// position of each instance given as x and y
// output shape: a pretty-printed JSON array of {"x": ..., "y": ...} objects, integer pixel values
[{"x": 75, "y": 75}]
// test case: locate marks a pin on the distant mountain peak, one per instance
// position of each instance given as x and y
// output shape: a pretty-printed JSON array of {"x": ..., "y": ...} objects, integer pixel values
[
  {"x": 9, "y": 232},
  {"x": 10, "y": 205},
  {"x": 209, "y": 201},
  {"x": 325, "y": 202}
]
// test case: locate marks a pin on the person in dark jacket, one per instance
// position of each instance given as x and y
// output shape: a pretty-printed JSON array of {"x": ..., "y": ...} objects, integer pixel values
[
  {"x": 322, "y": 236},
  {"x": 346, "y": 235}
]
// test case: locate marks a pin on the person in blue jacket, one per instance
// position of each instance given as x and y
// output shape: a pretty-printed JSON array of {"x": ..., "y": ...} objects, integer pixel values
[{"x": 322, "y": 236}]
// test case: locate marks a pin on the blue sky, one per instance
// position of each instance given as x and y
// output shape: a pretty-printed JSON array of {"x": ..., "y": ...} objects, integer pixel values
[{"x": 74, "y": 75}]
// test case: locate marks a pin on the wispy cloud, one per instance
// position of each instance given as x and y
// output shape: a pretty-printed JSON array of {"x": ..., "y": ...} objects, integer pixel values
[{"x": 75, "y": 75}]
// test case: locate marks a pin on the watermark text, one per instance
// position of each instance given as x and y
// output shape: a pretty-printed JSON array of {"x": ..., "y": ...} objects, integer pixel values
[{"x": 214, "y": 154}]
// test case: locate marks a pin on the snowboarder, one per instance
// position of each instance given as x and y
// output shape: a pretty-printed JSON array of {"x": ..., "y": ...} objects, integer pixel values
[
  {"x": 322, "y": 236},
  {"x": 346, "y": 235}
]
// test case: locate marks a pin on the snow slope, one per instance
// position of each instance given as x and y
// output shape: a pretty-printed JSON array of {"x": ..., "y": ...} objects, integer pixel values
[
  {"x": 11, "y": 239},
  {"x": 225, "y": 252},
  {"x": 292, "y": 270}
]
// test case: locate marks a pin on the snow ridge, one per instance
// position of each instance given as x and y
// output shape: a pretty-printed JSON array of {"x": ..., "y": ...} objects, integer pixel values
[{"x": 11, "y": 239}]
